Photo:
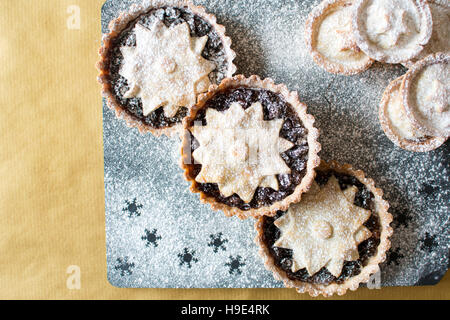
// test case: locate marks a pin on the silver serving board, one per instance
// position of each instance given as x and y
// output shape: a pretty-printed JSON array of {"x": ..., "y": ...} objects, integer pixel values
[{"x": 159, "y": 235}]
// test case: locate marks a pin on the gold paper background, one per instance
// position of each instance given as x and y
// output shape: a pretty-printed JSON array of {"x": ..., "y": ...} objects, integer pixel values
[{"x": 51, "y": 165}]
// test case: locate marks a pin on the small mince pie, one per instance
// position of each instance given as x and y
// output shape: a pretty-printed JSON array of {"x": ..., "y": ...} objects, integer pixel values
[
  {"x": 157, "y": 58},
  {"x": 392, "y": 31},
  {"x": 330, "y": 40},
  {"x": 440, "y": 38},
  {"x": 249, "y": 147},
  {"x": 397, "y": 126},
  {"x": 333, "y": 239},
  {"x": 426, "y": 94}
]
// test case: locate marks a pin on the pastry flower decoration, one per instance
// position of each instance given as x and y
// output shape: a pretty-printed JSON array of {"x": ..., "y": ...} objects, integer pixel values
[
  {"x": 240, "y": 151},
  {"x": 166, "y": 67},
  {"x": 324, "y": 229}
]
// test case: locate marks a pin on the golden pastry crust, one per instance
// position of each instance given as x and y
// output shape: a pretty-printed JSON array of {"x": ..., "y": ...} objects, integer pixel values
[
  {"x": 419, "y": 145},
  {"x": 372, "y": 267},
  {"x": 301, "y": 110},
  {"x": 117, "y": 25},
  {"x": 312, "y": 28},
  {"x": 396, "y": 53},
  {"x": 409, "y": 101}
]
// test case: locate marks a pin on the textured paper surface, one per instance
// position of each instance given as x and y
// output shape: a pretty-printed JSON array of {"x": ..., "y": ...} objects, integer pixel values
[{"x": 52, "y": 193}]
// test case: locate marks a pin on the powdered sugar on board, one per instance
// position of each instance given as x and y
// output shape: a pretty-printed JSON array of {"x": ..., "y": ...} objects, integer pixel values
[{"x": 148, "y": 202}]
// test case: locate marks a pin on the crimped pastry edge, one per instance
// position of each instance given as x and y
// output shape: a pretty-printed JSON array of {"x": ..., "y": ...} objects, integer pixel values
[
  {"x": 311, "y": 28},
  {"x": 307, "y": 120},
  {"x": 406, "y": 144},
  {"x": 442, "y": 3},
  {"x": 375, "y": 54},
  {"x": 434, "y": 58},
  {"x": 371, "y": 268},
  {"x": 117, "y": 25}
]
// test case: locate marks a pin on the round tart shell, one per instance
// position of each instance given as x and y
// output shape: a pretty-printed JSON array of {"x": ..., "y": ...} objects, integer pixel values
[
  {"x": 312, "y": 26},
  {"x": 372, "y": 267},
  {"x": 119, "y": 24},
  {"x": 425, "y": 52},
  {"x": 300, "y": 109},
  {"x": 372, "y": 51},
  {"x": 386, "y": 125},
  {"x": 405, "y": 90}
]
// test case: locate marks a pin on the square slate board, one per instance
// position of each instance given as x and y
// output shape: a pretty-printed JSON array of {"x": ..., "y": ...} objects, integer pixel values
[{"x": 159, "y": 235}]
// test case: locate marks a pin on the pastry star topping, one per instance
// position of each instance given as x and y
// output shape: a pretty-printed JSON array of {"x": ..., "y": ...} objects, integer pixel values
[
  {"x": 385, "y": 23},
  {"x": 324, "y": 229},
  {"x": 392, "y": 25},
  {"x": 401, "y": 26},
  {"x": 438, "y": 96},
  {"x": 347, "y": 40},
  {"x": 240, "y": 151},
  {"x": 166, "y": 67}
]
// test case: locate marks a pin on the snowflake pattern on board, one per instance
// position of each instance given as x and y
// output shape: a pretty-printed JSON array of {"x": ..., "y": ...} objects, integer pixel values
[
  {"x": 429, "y": 242},
  {"x": 235, "y": 264},
  {"x": 429, "y": 188},
  {"x": 401, "y": 218},
  {"x": 394, "y": 256},
  {"x": 132, "y": 208},
  {"x": 124, "y": 266},
  {"x": 151, "y": 238},
  {"x": 187, "y": 257},
  {"x": 217, "y": 242}
]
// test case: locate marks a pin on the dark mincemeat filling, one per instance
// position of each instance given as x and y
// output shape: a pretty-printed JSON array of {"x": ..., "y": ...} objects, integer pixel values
[
  {"x": 213, "y": 51},
  {"x": 274, "y": 107},
  {"x": 283, "y": 257}
]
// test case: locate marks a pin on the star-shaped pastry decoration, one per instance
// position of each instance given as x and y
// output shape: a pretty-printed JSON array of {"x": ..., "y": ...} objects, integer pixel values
[
  {"x": 166, "y": 67},
  {"x": 438, "y": 96},
  {"x": 384, "y": 24},
  {"x": 240, "y": 151},
  {"x": 401, "y": 26},
  {"x": 324, "y": 229},
  {"x": 393, "y": 24},
  {"x": 347, "y": 40}
]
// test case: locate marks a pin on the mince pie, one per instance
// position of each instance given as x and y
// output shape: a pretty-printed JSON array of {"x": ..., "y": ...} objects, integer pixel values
[
  {"x": 392, "y": 31},
  {"x": 329, "y": 38},
  {"x": 333, "y": 239},
  {"x": 157, "y": 58},
  {"x": 425, "y": 90},
  {"x": 440, "y": 37},
  {"x": 397, "y": 126},
  {"x": 249, "y": 147}
]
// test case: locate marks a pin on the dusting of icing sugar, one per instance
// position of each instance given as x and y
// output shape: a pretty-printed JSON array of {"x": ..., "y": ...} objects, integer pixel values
[
  {"x": 268, "y": 37},
  {"x": 440, "y": 38},
  {"x": 390, "y": 24},
  {"x": 330, "y": 40},
  {"x": 397, "y": 125},
  {"x": 324, "y": 229},
  {"x": 335, "y": 40},
  {"x": 430, "y": 92},
  {"x": 397, "y": 115},
  {"x": 240, "y": 151},
  {"x": 166, "y": 67},
  {"x": 392, "y": 30}
]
